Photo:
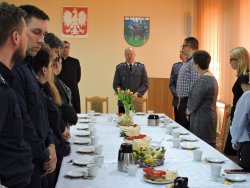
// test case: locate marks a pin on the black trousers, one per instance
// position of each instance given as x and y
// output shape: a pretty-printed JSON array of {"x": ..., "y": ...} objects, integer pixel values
[
  {"x": 36, "y": 180},
  {"x": 228, "y": 150},
  {"x": 176, "y": 115},
  {"x": 182, "y": 115},
  {"x": 244, "y": 155}
]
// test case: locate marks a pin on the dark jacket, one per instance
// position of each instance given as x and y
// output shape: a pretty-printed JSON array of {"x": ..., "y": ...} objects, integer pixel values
[
  {"x": 135, "y": 80},
  {"x": 31, "y": 99},
  {"x": 16, "y": 165}
]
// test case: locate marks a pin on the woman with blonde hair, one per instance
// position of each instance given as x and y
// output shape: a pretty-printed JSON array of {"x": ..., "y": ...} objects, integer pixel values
[{"x": 239, "y": 60}]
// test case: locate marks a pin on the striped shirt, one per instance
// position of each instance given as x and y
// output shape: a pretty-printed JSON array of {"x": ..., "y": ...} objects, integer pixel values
[{"x": 186, "y": 78}]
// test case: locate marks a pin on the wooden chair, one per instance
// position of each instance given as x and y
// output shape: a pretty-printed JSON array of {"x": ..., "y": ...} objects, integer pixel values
[
  {"x": 222, "y": 137},
  {"x": 141, "y": 104},
  {"x": 96, "y": 103}
]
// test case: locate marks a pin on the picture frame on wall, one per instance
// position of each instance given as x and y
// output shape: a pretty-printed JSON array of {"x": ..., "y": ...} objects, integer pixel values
[{"x": 75, "y": 22}]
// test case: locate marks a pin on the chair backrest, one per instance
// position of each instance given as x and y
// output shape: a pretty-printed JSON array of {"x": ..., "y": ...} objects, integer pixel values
[
  {"x": 141, "y": 104},
  {"x": 96, "y": 103}
]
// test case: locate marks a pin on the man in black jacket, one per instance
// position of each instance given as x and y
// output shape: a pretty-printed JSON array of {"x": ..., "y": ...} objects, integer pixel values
[
  {"x": 31, "y": 99},
  {"x": 16, "y": 166}
]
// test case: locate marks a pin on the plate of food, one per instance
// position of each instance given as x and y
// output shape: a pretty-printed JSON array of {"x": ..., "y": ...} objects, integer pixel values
[
  {"x": 214, "y": 160},
  {"x": 83, "y": 133},
  {"x": 82, "y": 141},
  {"x": 188, "y": 146},
  {"x": 235, "y": 177},
  {"x": 82, "y": 127},
  {"x": 86, "y": 149},
  {"x": 159, "y": 176},
  {"x": 84, "y": 161},
  {"x": 76, "y": 173}
]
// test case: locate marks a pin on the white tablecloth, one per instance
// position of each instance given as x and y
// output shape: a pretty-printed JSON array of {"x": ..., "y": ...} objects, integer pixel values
[{"x": 198, "y": 173}]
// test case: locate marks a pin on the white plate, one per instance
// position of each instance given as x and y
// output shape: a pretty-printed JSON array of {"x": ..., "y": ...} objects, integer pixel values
[
  {"x": 235, "y": 177},
  {"x": 97, "y": 114},
  {"x": 189, "y": 139},
  {"x": 82, "y": 141},
  {"x": 76, "y": 173},
  {"x": 83, "y": 161},
  {"x": 87, "y": 149},
  {"x": 82, "y": 116},
  {"x": 157, "y": 182},
  {"x": 184, "y": 133},
  {"x": 84, "y": 121},
  {"x": 214, "y": 160},
  {"x": 83, "y": 133},
  {"x": 188, "y": 146},
  {"x": 82, "y": 126},
  {"x": 140, "y": 113}
]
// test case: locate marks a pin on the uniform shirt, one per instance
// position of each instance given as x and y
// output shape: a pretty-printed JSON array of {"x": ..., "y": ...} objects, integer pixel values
[
  {"x": 173, "y": 81},
  {"x": 31, "y": 99},
  {"x": 16, "y": 165},
  {"x": 135, "y": 80},
  {"x": 240, "y": 128},
  {"x": 186, "y": 78}
]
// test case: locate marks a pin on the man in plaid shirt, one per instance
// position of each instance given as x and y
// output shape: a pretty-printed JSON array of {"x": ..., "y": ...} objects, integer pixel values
[{"x": 186, "y": 78}]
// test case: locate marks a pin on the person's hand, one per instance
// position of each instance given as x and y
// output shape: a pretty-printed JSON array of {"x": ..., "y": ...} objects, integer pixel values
[
  {"x": 187, "y": 114},
  {"x": 50, "y": 165},
  {"x": 237, "y": 148},
  {"x": 66, "y": 134}
]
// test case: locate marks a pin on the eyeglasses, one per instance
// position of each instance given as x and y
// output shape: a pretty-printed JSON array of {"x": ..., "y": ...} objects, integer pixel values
[{"x": 233, "y": 59}]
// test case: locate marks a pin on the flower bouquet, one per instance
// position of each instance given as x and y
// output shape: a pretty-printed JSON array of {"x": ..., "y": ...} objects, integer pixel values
[
  {"x": 126, "y": 97},
  {"x": 147, "y": 157}
]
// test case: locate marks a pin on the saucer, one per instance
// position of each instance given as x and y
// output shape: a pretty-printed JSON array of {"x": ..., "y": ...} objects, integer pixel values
[
  {"x": 75, "y": 173},
  {"x": 235, "y": 177},
  {"x": 214, "y": 160}
]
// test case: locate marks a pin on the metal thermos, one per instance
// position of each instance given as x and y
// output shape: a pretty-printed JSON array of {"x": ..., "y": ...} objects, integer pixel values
[
  {"x": 153, "y": 120},
  {"x": 125, "y": 157}
]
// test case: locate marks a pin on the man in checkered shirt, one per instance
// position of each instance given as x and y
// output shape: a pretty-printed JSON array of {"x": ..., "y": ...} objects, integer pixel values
[{"x": 186, "y": 78}]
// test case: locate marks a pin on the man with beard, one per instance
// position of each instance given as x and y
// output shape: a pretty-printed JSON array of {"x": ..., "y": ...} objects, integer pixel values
[
  {"x": 31, "y": 99},
  {"x": 16, "y": 166}
]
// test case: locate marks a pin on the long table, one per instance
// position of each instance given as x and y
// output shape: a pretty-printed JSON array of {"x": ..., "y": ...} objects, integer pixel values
[{"x": 198, "y": 173}]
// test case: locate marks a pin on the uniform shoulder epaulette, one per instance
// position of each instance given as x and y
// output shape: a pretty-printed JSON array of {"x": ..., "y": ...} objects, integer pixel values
[
  {"x": 120, "y": 64},
  {"x": 139, "y": 64}
]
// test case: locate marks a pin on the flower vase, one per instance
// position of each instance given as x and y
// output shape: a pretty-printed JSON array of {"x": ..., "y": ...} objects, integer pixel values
[{"x": 128, "y": 120}]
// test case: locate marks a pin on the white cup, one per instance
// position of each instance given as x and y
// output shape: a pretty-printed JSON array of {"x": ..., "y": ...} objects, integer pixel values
[
  {"x": 150, "y": 112},
  {"x": 94, "y": 140},
  {"x": 99, "y": 159},
  {"x": 92, "y": 170},
  {"x": 197, "y": 154},
  {"x": 176, "y": 142},
  {"x": 215, "y": 170},
  {"x": 98, "y": 149},
  {"x": 166, "y": 121},
  {"x": 110, "y": 119},
  {"x": 92, "y": 131},
  {"x": 169, "y": 129},
  {"x": 91, "y": 113},
  {"x": 91, "y": 126},
  {"x": 131, "y": 169},
  {"x": 176, "y": 134}
]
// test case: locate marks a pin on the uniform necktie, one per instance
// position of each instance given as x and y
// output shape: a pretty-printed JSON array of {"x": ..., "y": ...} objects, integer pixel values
[{"x": 130, "y": 67}]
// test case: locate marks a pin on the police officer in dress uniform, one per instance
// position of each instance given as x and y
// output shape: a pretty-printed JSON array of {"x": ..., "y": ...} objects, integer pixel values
[
  {"x": 130, "y": 75},
  {"x": 16, "y": 166}
]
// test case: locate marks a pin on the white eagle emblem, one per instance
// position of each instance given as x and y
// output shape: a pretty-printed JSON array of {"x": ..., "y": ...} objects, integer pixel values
[{"x": 75, "y": 22}]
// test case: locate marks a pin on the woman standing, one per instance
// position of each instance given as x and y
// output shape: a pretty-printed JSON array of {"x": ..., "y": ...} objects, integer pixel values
[
  {"x": 202, "y": 99},
  {"x": 239, "y": 60}
]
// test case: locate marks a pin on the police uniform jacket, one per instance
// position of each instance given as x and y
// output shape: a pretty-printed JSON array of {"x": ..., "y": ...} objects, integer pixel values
[
  {"x": 135, "y": 80},
  {"x": 16, "y": 165},
  {"x": 31, "y": 99}
]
